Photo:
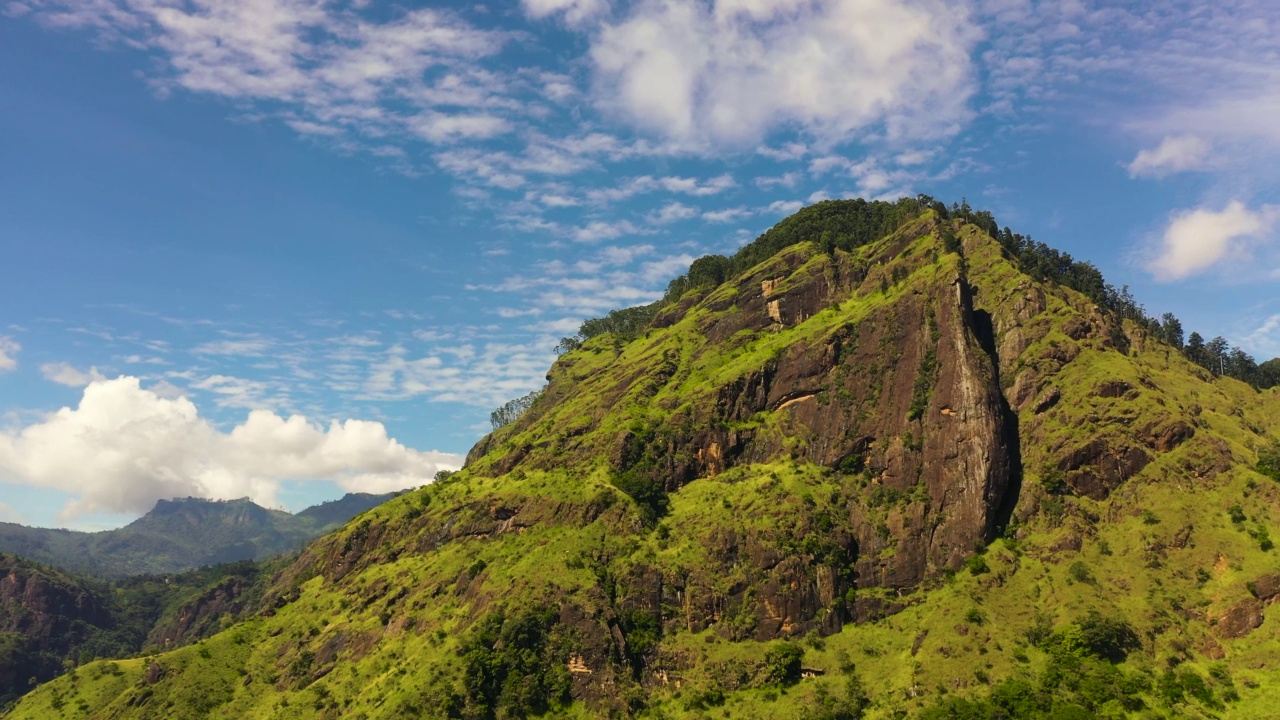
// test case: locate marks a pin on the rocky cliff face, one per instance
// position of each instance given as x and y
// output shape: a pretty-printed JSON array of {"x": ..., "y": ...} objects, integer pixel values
[{"x": 902, "y": 394}]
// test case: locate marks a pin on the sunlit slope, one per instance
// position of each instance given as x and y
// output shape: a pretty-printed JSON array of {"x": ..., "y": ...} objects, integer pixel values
[{"x": 767, "y": 505}]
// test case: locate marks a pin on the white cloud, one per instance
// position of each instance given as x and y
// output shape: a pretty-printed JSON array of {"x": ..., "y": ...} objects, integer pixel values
[
  {"x": 498, "y": 372},
  {"x": 623, "y": 255},
  {"x": 442, "y": 128},
  {"x": 1174, "y": 154},
  {"x": 672, "y": 184},
  {"x": 729, "y": 71},
  {"x": 575, "y": 11},
  {"x": 1266, "y": 337},
  {"x": 64, "y": 374},
  {"x": 320, "y": 67},
  {"x": 234, "y": 392},
  {"x": 249, "y": 347},
  {"x": 124, "y": 447},
  {"x": 784, "y": 207},
  {"x": 8, "y": 353},
  {"x": 788, "y": 151},
  {"x": 563, "y": 326},
  {"x": 788, "y": 180},
  {"x": 727, "y": 215},
  {"x": 598, "y": 230},
  {"x": 661, "y": 271},
  {"x": 671, "y": 212},
  {"x": 1195, "y": 240}
]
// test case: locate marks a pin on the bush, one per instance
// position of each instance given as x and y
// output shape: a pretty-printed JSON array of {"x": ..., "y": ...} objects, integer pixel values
[
  {"x": 513, "y": 666},
  {"x": 978, "y": 565},
  {"x": 852, "y": 706},
  {"x": 647, "y": 493},
  {"x": 1080, "y": 572},
  {"x": 782, "y": 664},
  {"x": 1269, "y": 461}
]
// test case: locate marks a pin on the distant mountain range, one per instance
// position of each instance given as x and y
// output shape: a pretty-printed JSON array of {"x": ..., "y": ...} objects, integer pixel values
[{"x": 182, "y": 534}]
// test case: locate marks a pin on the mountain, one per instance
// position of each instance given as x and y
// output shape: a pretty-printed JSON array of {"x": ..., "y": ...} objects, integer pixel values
[
  {"x": 881, "y": 463},
  {"x": 182, "y": 534}
]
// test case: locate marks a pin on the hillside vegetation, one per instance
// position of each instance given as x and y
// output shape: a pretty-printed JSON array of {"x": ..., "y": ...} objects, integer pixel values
[{"x": 889, "y": 471}]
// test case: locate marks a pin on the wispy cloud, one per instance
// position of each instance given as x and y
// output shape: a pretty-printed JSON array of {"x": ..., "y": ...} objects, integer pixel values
[
  {"x": 8, "y": 353},
  {"x": 64, "y": 374}
]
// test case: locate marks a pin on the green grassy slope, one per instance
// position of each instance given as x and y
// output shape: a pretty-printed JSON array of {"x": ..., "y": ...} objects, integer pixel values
[{"x": 530, "y": 583}]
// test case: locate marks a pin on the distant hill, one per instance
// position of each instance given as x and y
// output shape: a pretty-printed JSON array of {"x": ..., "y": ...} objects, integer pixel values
[{"x": 183, "y": 534}]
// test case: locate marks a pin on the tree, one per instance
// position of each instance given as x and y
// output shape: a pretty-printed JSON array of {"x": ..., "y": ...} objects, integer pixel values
[
  {"x": 782, "y": 664},
  {"x": 1171, "y": 329},
  {"x": 1241, "y": 366},
  {"x": 512, "y": 410},
  {"x": 708, "y": 270},
  {"x": 1216, "y": 354},
  {"x": 1195, "y": 349},
  {"x": 1269, "y": 373}
]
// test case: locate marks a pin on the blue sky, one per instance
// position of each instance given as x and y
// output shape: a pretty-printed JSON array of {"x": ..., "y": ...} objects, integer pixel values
[{"x": 285, "y": 248}]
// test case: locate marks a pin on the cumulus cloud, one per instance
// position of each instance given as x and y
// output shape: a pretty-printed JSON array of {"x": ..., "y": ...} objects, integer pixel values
[
  {"x": 729, "y": 71},
  {"x": 124, "y": 447},
  {"x": 64, "y": 374},
  {"x": 8, "y": 353},
  {"x": 1195, "y": 240},
  {"x": 1174, "y": 154}
]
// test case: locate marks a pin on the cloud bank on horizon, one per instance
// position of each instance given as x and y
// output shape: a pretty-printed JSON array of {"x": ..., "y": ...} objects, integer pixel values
[
  {"x": 124, "y": 447},
  {"x": 585, "y": 151}
]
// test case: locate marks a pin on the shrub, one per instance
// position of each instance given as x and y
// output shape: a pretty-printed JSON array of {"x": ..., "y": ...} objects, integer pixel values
[
  {"x": 852, "y": 706},
  {"x": 1053, "y": 480},
  {"x": 647, "y": 493},
  {"x": 513, "y": 666},
  {"x": 1269, "y": 461},
  {"x": 1080, "y": 572},
  {"x": 1259, "y": 533},
  {"x": 782, "y": 664},
  {"x": 977, "y": 565}
]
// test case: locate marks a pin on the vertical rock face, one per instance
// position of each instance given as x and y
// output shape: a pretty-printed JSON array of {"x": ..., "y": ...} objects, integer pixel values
[
  {"x": 902, "y": 398},
  {"x": 908, "y": 394}
]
